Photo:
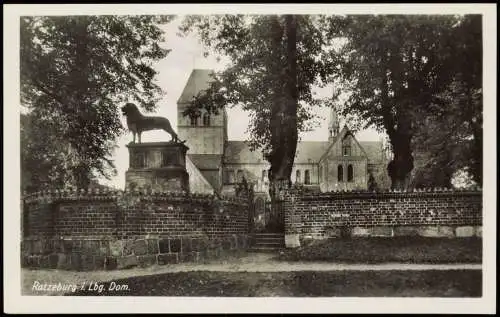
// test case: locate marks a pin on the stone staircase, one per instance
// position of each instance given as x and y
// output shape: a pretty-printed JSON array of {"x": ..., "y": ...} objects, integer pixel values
[{"x": 267, "y": 242}]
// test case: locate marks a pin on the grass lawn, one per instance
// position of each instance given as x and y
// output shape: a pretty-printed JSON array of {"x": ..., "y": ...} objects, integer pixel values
[
  {"x": 380, "y": 250},
  {"x": 433, "y": 283}
]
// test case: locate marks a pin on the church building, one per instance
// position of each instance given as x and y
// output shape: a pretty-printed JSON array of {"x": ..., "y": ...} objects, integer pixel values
[{"x": 215, "y": 163}]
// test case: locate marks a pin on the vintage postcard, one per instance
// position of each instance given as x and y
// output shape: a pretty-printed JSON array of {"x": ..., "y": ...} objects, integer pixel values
[{"x": 250, "y": 158}]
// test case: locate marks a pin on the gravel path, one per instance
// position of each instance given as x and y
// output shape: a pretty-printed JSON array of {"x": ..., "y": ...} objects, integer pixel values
[{"x": 254, "y": 262}]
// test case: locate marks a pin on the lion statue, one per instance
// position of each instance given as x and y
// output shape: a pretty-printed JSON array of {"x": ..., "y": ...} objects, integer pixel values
[{"x": 138, "y": 123}]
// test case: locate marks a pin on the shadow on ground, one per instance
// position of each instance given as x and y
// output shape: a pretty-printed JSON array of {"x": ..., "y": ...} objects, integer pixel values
[
  {"x": 430, "y": 283},
  {"x": 426, "y": 250}
]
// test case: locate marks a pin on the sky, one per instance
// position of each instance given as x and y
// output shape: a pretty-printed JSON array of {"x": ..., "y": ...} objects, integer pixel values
[{"x": 187, "y": 54}]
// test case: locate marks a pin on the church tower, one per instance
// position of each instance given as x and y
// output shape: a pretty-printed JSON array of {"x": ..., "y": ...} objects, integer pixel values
[
  {"x": 333, "y": 125},
  {"x": 207, "y": 133}
]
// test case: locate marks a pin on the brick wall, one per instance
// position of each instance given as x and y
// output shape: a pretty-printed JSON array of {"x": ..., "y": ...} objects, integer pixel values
[
  {"x": 439, "y": 213},
  {"x": 119, "y": 226},
  {"x": 133, "y": 215},
  {"x": 85, "y": 219},
  {"x": 38, "y": 219}
]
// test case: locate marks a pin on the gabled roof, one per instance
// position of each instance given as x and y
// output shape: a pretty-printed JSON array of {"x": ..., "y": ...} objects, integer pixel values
[
  {"x": 356, "y": 140},
  {"x": 198, "y": 80},
  {"x": 239, "y": 152},
  {"x": 310, "y": 151},
  {"x": 206, "y": 161},
  {"x": 371, "y": 149},
  {"x": 307, "y": 152},
  {"x": 338, "y": 137}
]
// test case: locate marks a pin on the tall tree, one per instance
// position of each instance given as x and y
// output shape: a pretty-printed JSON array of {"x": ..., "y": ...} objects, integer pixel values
[
  {"x": 75, "y": 73},
  {"x": 275, "y": 62},
  {"x": 463, "y": 97},
  {"x": 394, "y": 68},
  {"x": 449, "y": 137},
  {"x": 439, "y": 149},
  {"x": 42, "y": 157}
]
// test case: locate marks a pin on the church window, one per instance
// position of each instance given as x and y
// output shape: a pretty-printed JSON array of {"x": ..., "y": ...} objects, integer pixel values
[
  {"x": 320, "y": 173},
  {"x": 194, "y": 120},
  {"x": 307, "y": 177},
  {"x": 206, "y": 119},
  {"x": 264, "y": 172},
  {"x": 260, "y": 205},
  {"x": 297, "y": 176},
  {"x": 346, "y": 150},
  {"x": 239, "y": 176},
  {"x": 340, "y": 173},
  {"x": 350, "y": 173}
]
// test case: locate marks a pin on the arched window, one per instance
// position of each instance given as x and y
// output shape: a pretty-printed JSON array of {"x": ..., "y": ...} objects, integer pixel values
[
  {"x": 260, "y": 205},
  {"x": 206, "y": 119},
  {"x": 320, "y": 173},
  {"x": 350, "y": 173},
  {"x": 297, "y": 176},
  {"x": 340, "y": 173},
  {"x": 194, "y": 120},
  {"x": 346, "y": 146},
  {"x": 307, "y": 177},
  {"x": 346, "y": 150},
  {"x": 239, "y": 176},
  {"x": 264, "y": 172}
]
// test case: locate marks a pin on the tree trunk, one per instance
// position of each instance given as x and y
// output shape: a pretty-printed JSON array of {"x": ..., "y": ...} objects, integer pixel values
[
  {"x": 284, "y": 134},
  {"x": 400, "y": 167},
  {"x": 82, "y": 170},
  {"x": 283, "y": 125},
  {"x": 398, "y": 126}
]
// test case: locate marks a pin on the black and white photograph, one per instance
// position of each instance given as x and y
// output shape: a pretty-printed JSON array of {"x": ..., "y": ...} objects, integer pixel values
[{"x": 260, "y": 158}]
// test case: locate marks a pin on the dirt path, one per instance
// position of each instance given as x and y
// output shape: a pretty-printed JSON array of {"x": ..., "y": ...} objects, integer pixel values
[{"x": 254, "y": 262}]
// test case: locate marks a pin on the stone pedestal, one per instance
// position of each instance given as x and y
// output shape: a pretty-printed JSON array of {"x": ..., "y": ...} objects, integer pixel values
[{"x": 157, "y": 165}]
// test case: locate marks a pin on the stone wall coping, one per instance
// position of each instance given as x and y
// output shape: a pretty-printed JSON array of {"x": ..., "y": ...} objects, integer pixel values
[
  {"x": 95, "y": 194},
  {"x": 346, "y": 194}
]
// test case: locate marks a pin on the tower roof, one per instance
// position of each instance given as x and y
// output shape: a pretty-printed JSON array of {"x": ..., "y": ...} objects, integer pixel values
[{"x": 198, "y": 80}]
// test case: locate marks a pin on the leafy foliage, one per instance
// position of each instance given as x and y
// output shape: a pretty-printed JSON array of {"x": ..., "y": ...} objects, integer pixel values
[
  {"x": 42, "y": 156},
  {"x": 397, "y": 69},
  {"x": 75, "y": 72},
  {"x": 275, "y": 62},
  {"x": 450, "y": 138},
  {"x": 372, "y": 184}
]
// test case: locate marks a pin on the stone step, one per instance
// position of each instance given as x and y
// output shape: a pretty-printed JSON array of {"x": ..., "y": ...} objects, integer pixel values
[
  {"x": 277, "y": 243},
  {"x": 268, "y": 234},
  {"x": 265, "y": 249},
  {"x": 269, "y": 239},
  {"x": 273, "y": 247},
  {"x": 267, "y": 242},
  {"x": 270, "y": 242}
]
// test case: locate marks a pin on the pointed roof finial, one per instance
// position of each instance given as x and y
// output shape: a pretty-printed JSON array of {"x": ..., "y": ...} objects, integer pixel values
[{"x": 333, "y": 124}]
